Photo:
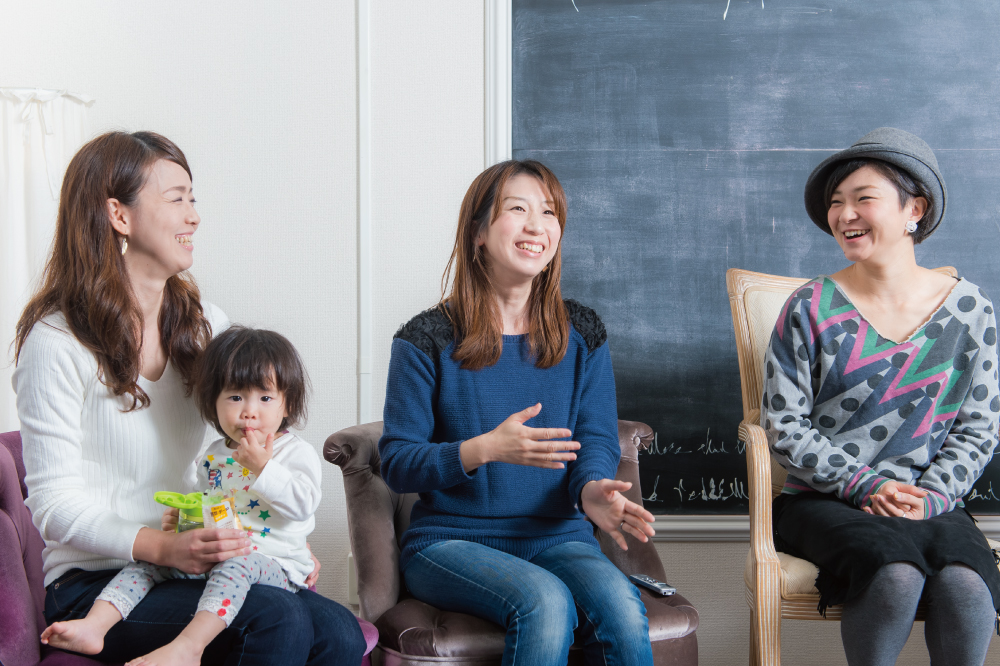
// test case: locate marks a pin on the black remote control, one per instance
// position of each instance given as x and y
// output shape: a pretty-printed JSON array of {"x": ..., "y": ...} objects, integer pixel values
[{"x": 659, "y": 587}]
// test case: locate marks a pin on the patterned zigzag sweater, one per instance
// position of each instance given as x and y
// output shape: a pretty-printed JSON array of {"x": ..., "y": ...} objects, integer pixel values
[
  {"x": 432, "y": 405},
  {"x": 846, "y": 410}
]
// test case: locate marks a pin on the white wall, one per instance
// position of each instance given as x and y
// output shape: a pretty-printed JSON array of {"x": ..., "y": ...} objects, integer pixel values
[
  {"x": 427, "y": 101},
  {"x": 262, "y": 97}
]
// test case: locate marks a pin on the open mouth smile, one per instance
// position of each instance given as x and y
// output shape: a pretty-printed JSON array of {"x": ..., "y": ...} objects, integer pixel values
[
  {"x": 185, "y": 241},
  {"x": 533, "y": 248},
  {"x": 855, "y": 233}
]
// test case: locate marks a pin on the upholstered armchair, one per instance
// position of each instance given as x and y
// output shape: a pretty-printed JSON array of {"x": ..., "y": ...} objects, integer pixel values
[
  {"x": 22, "y": 595},
  {"x": 777, "y": 585},
  {"x": 413, "y": 633}
]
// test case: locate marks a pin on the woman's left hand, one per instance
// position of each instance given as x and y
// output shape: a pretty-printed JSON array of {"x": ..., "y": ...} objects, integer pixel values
[
  {"x": 314, "y": 576},
  {"x": 605, "y": 505},
  {"x": 898, "y": 500}
]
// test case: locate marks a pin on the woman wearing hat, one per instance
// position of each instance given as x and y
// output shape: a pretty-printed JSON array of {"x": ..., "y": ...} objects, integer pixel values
[{"x": 881, "y": 400}]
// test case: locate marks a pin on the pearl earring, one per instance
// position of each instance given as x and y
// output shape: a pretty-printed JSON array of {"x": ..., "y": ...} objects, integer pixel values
[
  {"x": 911, "y": 226},
  {"x": 124, "y": 245}
]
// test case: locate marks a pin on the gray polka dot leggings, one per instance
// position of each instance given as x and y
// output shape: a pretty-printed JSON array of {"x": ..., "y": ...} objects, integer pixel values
[{"x": 225, "y": 591}]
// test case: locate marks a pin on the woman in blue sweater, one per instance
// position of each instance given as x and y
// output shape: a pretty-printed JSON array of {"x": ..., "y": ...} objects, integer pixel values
[{"x": 500, "y": 529}]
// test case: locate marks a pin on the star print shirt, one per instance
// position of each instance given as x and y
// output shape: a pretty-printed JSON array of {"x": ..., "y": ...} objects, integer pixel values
[
  {"x": 278, "y": 507},
  {"x": 846, "y": 410}
]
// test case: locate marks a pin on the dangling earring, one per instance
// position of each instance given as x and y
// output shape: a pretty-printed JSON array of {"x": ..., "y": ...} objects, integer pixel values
[
  {"x": 546, "y": 268},
  {"x": 911, "y": 226},
  {"x": 124, "y": 245}
]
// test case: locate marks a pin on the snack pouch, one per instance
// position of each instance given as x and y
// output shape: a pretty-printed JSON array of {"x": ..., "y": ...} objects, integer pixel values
[{"x": 220, "y": 512}]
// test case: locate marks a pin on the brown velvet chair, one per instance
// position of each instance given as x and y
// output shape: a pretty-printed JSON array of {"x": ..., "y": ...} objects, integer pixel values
[{"x": 412, "y": 632}]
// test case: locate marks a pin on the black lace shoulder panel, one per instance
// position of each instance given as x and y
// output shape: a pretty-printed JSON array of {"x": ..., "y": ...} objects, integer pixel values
[
  {"x": 430, "y": 332},
  {"x": 587, "y": 324}
]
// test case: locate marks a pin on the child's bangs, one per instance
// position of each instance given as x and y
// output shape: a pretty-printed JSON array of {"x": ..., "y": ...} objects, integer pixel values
[{"x": 248, "y": 368}]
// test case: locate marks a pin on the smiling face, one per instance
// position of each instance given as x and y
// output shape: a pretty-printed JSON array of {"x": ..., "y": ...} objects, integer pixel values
[
  {"x": 866, "y": 218},
  {"x": 524, "y": 238},
  {"x": 242, "y": 410},
  {"x": 161, "y": 224}
]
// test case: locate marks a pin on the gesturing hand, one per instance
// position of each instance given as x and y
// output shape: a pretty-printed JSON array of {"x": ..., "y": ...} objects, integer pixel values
[
  {"x": 611, "y": 511},
  {"x": 252, "y": 454},
  {"x": 515, "y": 443},
  {"x": 898, "y": 499}
]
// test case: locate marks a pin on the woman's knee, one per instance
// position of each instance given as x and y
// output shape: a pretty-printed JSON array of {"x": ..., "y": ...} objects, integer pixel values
[
  {"x": 334, "y": 627},
  {"x": 619, "y": 612},
  {"x": 546, "y": 604},
  {"x": 900, "y": 578},
  {"x": 273, "y": 609}
]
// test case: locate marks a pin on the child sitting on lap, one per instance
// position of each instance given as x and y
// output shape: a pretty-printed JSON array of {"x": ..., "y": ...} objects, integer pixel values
[{"x": 251, "y": 385}]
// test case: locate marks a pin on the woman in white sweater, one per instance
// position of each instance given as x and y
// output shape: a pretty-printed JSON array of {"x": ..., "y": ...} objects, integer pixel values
[{"x": 105, "y": 354}]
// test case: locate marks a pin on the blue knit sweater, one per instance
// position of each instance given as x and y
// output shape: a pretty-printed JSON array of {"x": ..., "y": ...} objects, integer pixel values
[{"x": 432, "y": 405}]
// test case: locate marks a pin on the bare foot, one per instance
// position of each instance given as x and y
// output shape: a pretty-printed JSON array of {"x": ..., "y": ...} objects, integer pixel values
[
  {"x": 85, "y": 636},
  {"x": 182, "y": 651}
]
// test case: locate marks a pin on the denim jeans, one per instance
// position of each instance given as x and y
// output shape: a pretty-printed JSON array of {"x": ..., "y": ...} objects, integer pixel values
[
  {"x": 273, "y": 627},
  {"x": 540, "y": 603}
]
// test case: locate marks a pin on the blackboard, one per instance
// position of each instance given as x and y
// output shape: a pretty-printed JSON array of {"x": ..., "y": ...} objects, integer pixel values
[{"x": 683, "y": 132}]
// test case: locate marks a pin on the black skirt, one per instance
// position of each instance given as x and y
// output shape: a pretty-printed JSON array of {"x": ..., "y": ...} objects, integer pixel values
[{"x": 849, "y": 546}]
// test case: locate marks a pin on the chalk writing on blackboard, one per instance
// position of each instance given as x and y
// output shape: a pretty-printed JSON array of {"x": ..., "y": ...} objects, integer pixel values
[
  {"x": 988, "y": 495},
  {"x": 710, "y": 491},
  {"x": 706, "y": 447}
]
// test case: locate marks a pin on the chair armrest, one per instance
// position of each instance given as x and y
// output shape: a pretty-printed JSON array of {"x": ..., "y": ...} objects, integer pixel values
[
  {"x": 373, "y": 511},
  {"x": 758, "y": 454}
]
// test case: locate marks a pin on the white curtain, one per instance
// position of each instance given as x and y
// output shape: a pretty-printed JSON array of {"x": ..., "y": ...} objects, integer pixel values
[{"x": 40, "y": 131}]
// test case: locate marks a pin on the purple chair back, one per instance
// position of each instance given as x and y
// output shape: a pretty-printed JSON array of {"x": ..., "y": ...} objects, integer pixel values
[
  {"x": 21, "y": 579},
  {"x": 21, "y": 619}
]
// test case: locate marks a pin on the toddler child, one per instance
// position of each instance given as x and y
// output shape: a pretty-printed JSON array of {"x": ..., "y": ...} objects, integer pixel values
[{"x": 250, "y": 385}]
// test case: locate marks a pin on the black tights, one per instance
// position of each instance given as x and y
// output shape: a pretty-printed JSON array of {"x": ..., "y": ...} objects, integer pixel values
[{"x": 959, "y": 625}]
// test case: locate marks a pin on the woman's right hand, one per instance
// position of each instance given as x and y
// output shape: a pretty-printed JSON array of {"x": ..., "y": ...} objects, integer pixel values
[
  {"x": 192, "y": 551},
  {"x": 515, "y": 443}
]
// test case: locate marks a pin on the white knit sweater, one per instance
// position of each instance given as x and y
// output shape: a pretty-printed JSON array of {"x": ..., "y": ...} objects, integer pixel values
[{"x": 91, "y": 468}]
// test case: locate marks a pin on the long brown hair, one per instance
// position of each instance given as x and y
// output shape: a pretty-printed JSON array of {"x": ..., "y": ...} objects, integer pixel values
[
  {"x": 472, "y": 305},
  {"x": 85, "y": 277}
]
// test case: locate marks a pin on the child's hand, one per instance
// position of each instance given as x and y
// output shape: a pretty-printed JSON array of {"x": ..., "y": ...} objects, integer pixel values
[
  {"x": 314, "y": 576},
  {"x": 168, "y": 521},
  {"x": 252, "y": 454}
]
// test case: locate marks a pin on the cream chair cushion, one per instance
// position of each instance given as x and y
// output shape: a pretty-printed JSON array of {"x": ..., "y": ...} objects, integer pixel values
[{"x": 798, "y": 577}]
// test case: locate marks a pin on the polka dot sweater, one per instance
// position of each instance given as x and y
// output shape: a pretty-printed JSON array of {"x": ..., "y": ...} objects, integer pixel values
[{"x": 846, "y": 410}]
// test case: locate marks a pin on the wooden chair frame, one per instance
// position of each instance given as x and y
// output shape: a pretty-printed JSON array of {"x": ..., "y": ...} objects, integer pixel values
[{"x": 767, "y": 600}]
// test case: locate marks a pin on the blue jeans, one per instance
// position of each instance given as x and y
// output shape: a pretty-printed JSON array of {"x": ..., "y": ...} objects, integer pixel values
[
  {"x": 273, "y": 627},
  {"x": 540, "y": 603}
]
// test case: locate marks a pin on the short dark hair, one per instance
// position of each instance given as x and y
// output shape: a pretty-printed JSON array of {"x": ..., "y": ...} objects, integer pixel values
[
  {"x": 241, "y": 358},
  {"x": 906, "y": 186}
]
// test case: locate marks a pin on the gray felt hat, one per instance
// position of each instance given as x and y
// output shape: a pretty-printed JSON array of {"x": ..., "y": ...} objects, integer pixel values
[{"x": 899, "y": 148}]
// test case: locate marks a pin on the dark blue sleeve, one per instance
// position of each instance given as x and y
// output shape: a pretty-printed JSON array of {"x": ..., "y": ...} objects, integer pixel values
[
  {"x": 411, "y": 463},
  {"x": 596, "y": 425}
]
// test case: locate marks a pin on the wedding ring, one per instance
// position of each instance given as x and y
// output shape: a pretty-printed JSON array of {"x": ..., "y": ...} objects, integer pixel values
[{"x": 621, "y": 526}]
